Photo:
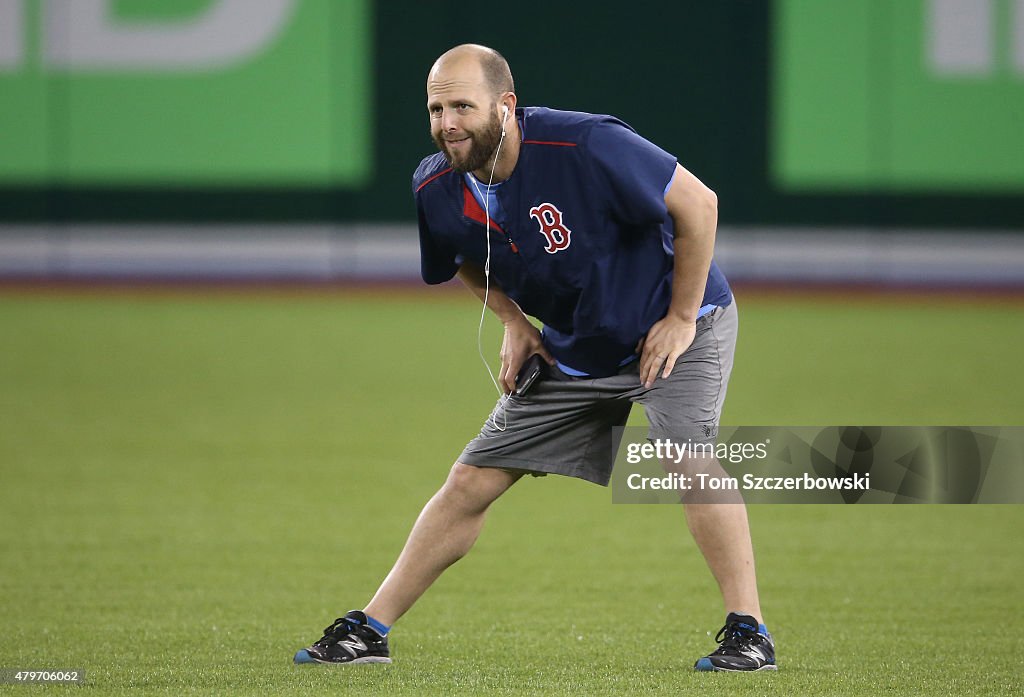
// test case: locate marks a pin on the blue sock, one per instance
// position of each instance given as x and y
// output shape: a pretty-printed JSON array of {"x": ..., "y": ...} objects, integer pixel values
[
  {"x": 378, "y": 627},
  {"x": 761, "y": 629}
]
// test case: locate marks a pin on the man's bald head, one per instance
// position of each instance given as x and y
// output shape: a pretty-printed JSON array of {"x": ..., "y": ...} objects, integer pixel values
[
  {"x": 496, "y": 74},
  {"x": 470, "y": 98}
]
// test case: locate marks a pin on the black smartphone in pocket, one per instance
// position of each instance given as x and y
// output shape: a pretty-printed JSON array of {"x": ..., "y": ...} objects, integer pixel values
[{"x": 529, "y": 374}]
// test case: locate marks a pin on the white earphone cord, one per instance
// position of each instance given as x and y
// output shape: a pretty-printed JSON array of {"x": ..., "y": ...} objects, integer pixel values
[{"x": 487, "y": 278}]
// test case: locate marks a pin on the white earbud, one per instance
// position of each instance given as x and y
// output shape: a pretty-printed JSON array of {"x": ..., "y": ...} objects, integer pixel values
[{"x": 504, "y": 118}]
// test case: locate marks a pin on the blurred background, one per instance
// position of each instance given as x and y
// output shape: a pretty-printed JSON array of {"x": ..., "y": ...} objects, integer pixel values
[{"x": 871, "y": 142}]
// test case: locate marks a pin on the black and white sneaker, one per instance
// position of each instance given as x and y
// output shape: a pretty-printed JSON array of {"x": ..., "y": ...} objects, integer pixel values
[
  {"x": 349, "y": 640},
  {"x": 740, "y": 647}
]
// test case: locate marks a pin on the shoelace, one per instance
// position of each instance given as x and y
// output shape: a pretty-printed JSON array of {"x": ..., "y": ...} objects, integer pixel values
[
  {"x": 338, "y": 630},
  {"x": 732, "y": 637}
]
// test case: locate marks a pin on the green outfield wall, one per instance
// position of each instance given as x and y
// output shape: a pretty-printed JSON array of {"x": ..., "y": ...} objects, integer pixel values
[
  {"x": 904, "y": 95},
  {"x": 874, "y": 112},
  {"x": 194, "y": 93}
]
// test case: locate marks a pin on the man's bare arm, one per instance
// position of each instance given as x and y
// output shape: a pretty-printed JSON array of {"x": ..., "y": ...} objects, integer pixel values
[
  {"x": 521, "y": 339},
  {"x": 693, "y": 208}
]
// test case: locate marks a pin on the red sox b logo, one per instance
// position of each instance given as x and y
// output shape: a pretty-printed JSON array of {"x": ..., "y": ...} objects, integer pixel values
[{"x": 552, "y": 227}]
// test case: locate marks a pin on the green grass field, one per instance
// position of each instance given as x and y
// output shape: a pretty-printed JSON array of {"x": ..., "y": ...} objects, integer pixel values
[{"x": 192, "y": 486}]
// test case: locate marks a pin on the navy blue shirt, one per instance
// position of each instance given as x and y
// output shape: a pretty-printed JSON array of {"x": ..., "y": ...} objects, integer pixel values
[{"x": 585, "y": 240}]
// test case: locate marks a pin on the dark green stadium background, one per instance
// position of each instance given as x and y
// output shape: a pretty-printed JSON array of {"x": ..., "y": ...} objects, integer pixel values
[{"x": 697, "y": 78}]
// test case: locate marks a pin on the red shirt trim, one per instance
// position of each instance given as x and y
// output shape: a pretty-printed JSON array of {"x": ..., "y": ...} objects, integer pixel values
[{"x": 432, "y": 179}]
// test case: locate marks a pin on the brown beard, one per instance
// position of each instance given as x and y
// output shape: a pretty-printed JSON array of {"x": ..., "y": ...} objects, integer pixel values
[{"x": 481, "y": 150}]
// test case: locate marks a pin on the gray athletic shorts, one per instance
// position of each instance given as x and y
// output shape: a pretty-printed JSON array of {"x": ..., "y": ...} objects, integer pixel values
[{"x": 563, "y": 425}]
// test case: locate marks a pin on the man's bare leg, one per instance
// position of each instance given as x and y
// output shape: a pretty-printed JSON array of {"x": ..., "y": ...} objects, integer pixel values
[
  {"x": 717, "y": 519},
  {"x": 444, "y": 532},
  {"x": 723, "y": 536}
]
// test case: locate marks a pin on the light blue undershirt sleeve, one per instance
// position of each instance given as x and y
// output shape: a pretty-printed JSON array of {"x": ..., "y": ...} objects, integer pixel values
[{"x": 669, "y": 185}]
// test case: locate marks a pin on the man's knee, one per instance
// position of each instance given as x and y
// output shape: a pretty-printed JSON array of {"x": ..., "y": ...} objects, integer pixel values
[
  {"x": 706, "y": 480},
  {"x": 477, "y": 486}
]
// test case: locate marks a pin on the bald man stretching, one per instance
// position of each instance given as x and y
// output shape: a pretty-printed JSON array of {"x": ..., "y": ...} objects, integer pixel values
[{"x": 608, "y": 241}]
